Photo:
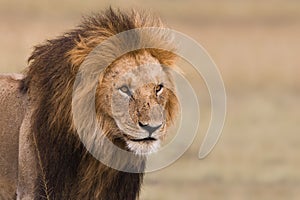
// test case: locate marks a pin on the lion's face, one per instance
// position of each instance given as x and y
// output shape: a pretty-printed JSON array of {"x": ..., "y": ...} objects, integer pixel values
[{"x": 139, "y": 96}]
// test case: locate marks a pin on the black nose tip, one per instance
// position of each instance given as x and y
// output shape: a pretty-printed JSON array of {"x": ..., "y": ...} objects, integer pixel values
[{"x": 148, "y": 128}]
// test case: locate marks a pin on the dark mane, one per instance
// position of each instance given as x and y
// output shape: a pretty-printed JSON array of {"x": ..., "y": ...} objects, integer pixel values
[{"x": 49, "y": 81}]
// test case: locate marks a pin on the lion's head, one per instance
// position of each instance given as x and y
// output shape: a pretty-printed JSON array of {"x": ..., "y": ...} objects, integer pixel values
[{"x": 137, "y": 91}]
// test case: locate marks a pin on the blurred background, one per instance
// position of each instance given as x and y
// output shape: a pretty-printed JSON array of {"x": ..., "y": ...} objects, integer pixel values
[{"x": 256, "y": 45}]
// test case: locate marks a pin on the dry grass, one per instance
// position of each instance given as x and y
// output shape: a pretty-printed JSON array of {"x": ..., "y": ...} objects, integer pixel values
[{"x": 256, "y": 47}]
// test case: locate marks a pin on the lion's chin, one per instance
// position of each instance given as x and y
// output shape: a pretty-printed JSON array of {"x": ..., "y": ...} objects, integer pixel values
[{"x": 143, "y": 147}]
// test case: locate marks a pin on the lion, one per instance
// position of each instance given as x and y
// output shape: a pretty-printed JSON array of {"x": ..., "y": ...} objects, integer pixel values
[{"x": 55, "y": 157}]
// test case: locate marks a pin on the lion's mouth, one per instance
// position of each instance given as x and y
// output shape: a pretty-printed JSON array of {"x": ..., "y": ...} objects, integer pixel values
[
  {"x": 142, "y": 146},
  {"x": 148, "y": 139}
]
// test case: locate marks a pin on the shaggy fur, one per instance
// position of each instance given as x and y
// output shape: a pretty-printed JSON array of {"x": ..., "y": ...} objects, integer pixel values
[{"x": 65, "y": 169}]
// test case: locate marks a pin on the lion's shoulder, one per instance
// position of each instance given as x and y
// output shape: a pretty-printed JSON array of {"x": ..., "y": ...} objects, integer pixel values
[
  {"x": 12, "y": 77},
  {"x": 12, "y": 109}
]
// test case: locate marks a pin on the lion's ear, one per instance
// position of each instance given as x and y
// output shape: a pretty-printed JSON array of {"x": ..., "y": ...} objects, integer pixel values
[{"x": 172, "y": 108}]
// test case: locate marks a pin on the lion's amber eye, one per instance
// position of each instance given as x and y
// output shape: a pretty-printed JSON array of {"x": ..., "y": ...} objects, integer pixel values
[
  {"x": 159, "y": 88},
  {"x": 125, "y": 90}
]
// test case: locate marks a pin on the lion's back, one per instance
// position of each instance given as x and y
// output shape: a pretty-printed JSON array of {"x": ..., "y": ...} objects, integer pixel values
[{"x": 12, "y": 109}]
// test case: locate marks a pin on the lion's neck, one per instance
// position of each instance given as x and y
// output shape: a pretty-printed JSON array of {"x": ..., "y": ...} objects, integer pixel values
[
  {"x": 98, "y": 181},
  {"x": 78, "y": 175}
]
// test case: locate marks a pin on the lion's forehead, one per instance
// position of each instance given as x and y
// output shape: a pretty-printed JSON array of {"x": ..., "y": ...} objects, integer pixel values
[
  {"x": 130, "y": 63},
  {"x": 139, "y": 70}
]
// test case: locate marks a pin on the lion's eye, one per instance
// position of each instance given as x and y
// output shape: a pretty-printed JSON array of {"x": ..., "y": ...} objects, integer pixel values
[
  {"x": 125, "y": 90},
  {"x": 159, "y": 88}
]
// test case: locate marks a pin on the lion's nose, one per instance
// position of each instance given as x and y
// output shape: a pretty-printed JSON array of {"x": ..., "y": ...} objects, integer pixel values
[{"x": 148, "y": 128}]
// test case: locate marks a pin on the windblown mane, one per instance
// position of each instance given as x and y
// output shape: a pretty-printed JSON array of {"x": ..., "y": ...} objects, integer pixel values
[{"x": 49, "y": 82}]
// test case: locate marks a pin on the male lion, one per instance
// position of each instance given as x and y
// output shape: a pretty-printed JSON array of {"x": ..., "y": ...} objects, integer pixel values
[{"x": 134, "y": 106}]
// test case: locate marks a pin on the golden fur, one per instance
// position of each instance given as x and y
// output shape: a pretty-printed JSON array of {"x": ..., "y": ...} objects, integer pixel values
[{"x": 66, "y": 169}]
